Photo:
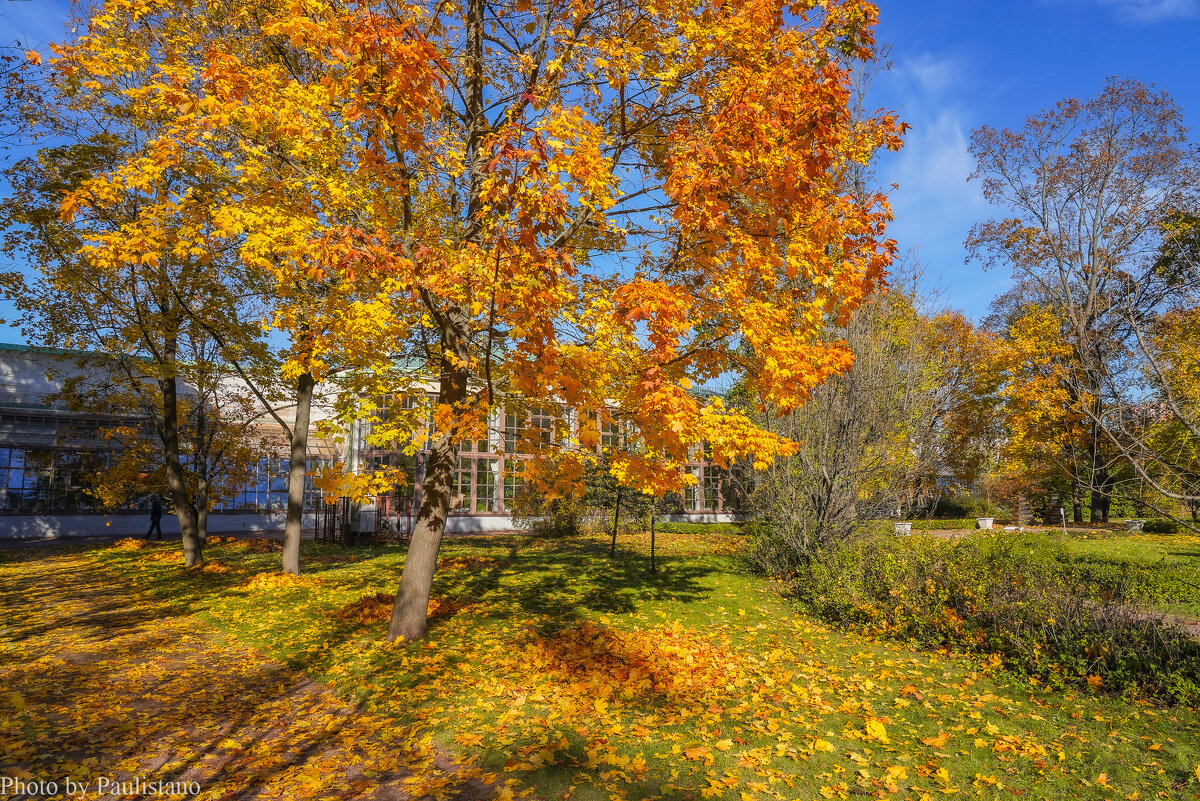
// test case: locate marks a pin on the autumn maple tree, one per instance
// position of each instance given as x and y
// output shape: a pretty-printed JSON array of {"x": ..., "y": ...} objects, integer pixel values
[{"x": 579, "y": 207}]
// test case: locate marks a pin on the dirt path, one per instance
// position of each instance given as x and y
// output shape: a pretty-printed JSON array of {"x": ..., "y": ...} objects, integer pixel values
[{"x": 101, "y": 684}]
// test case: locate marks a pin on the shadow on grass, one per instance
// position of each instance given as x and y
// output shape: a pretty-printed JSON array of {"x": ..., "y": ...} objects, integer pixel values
[
  {"x": 559, "y": 583},
  {"x": 139, "y": 689}
]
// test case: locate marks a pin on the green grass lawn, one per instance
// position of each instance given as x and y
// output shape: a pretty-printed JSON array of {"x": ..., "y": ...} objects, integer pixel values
[
  {"x": 1171, "y": 562},
  {"x": 576, "y": 676}
]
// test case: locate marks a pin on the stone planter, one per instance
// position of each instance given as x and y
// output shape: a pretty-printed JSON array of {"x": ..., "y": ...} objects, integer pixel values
[
  {"x": 1135, "y": 525},
  {"x": 903, "y": 529},
  {"x": 984, "y": 522}
]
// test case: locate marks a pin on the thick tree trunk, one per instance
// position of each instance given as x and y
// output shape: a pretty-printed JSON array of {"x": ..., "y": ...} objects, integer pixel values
[
  {"x": 454, "y": 321},
  {"x": 296, "y": 472},
  {"x": 412, "y": 598},
  {"x": 185, "y": 512}
]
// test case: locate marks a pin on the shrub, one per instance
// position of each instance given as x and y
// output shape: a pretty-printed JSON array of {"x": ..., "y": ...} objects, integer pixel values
[
  {"x": 1017, "y": 595},
  {"x": 1137, "y": 581},
  {"x": 964, "y": 506},
  {"x": 560, "y": 517},
  {"x": 1161, "y": 526}
]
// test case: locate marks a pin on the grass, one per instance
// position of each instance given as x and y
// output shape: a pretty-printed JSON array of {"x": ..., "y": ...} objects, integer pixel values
[{"x": 574, "y": 676}]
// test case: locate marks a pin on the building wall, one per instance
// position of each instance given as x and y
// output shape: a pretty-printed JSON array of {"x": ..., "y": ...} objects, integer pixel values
[{"x": 46, "y": 452}]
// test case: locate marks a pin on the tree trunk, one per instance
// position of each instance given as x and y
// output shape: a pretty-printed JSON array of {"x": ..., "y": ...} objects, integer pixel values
[
  {"x": 412, "y": 598},
  {"x": 612, "y": 551},
  {"x": 184, "y": 511},
  {"x": 297, "y": 467},
  {"x": 454, "y": 323},
  {"x": 653, "y": 564},
  {"x": 202, "y": 509}
]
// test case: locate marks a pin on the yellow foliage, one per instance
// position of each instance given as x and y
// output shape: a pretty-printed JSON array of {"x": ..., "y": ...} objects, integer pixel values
[{"x": 279, "y": 581}]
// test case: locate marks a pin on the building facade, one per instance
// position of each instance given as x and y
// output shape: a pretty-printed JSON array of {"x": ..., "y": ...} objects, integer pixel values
[{"x": 48, "y": 452}]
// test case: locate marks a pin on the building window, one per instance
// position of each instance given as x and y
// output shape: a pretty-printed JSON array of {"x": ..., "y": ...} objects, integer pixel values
[
  {"x": 512, "y": 430},
  {"x": 543, "y": 421},
  {"x": 691, "y": 492},
  {"x": 711, "y": 485},
  {"x": 486, "y": 471},
  {"x": 512, "y": 486},
  {"x": 461, "y": 500},
  {"x": 610, "y": 436}
]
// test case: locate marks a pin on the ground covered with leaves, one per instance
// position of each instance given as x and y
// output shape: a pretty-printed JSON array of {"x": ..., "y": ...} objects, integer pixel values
[{"x": 550, "y": 671}]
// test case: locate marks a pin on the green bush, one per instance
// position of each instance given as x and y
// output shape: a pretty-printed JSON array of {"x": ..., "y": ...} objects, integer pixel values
[
  {"x": 1021, "y": 596},
  {"x": 1161, "y": 526},
  {"x": 964, "y": 506},
  {"x": 1140, "y": 582}
]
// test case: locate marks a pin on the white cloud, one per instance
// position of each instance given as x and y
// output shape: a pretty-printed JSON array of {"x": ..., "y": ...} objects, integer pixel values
[
  {"x": 1152, "y": 11},
  {"x": 934, "y": 204}
]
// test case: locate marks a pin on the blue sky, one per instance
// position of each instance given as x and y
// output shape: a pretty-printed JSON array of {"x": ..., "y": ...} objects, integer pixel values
[{"x": 957, "y": 65}]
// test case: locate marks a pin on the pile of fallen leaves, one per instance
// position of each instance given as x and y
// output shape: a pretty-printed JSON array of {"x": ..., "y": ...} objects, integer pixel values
[
  {"x": 131, "y": 544},
  {"x": 259, "y": 545},
  {"x": 378, "y": 608},
  {"x": 212, "y": 567},
  {"x": 733, "y": 547},
  {"x": 279, "y": 581},
  {"x": 163, "y": 556},
  {"x": 466, "y": 562},
  {"x": 666, "y": 661}
]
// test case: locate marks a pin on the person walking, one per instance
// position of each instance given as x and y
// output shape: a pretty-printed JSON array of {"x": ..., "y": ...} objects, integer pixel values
[{"x": 155, "y": 516}]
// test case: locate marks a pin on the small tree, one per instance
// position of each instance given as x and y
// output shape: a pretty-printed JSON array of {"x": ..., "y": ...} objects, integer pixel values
[{"x": 872, "y": 437}]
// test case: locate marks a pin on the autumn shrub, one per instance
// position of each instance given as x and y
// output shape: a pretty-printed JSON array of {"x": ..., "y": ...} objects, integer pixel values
[
  {"x": 532, "y": 511},
  {"x": 1140, "y": 582},
  {"x": 1017, "y": 595},
  {"x": 778, "y": 549}
]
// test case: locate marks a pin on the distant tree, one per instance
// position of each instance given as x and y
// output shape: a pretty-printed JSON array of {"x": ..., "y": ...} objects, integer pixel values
[
  {"x": 1090, "y": 185},
  {"x": 881, "y": 432}
]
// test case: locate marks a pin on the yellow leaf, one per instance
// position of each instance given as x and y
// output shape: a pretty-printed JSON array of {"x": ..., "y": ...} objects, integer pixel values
[
  {"x": 723, "y": 745},
  {"x": 876, "y": 731}
]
